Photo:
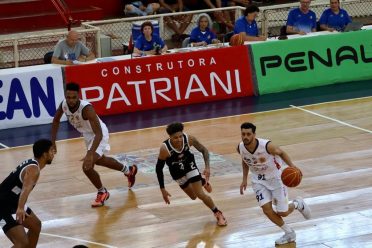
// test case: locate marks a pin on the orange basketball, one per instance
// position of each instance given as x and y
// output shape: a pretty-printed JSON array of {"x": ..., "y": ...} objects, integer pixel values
[
  {"x": 291, "y": 176},
  {"x": 237, "y": 40}
]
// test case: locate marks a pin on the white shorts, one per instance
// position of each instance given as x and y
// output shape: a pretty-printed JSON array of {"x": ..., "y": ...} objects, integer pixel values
[
  {"x": 104, "y": 146},
  {"x": 278, "y": 196}
]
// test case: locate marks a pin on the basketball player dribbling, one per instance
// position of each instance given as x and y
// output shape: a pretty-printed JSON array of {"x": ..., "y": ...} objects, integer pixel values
[
  {"x": 262, "y": 158},
  {"x": 175, "y": 152},
  {"x": 84, "y": 119}
]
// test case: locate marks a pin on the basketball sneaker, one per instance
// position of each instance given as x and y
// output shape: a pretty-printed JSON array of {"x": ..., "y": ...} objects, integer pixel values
[
  {"x": 286, "y": 238},
  {"x": 221, "y": 221},
  {"x": 303, "y": 207},
  {"x": 207, "y": 186},
  {"x": 100, "y": 199},
  {"x": 132, "y": 175}
]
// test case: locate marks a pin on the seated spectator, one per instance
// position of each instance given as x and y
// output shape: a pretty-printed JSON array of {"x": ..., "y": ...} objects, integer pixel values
[
  {"x": 71, "y": 50},
  {"x": 177, "y": 23},
  {"x": 247, "y": 24},
  {"x": 334, "y": 18},
  {"x": 149, "y": 43},
  {"x": 301, "y": 20},
  {"x": 140, "y": 8},
  {"x": 222, "y": 17},
  {"x": 202, "y": 35}
]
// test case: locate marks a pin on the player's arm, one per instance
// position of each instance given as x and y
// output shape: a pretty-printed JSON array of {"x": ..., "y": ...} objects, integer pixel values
[
  {"x": 275, "y": 150},
  {"x": 55, "y": 126},
  {"x": 90, "y": 115},
  {"x": 30, "y": 177},
  {"x": 194, "y": 142},
  {"x": 163, "y": 155},
  {"x": 245, "y": 167}
]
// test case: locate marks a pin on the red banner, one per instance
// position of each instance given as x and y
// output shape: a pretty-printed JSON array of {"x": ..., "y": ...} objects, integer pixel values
[{"x": 163, "y": 81}]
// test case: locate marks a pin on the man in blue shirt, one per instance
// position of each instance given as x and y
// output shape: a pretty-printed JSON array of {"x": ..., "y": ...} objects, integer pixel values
[
  {"x": 334, "y": 18},
  {"x": 301, "y": 20},
  {"x": 247, "y": 24}
]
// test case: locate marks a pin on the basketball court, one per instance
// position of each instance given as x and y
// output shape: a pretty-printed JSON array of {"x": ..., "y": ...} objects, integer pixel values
[{"x": 326, "y": 131}]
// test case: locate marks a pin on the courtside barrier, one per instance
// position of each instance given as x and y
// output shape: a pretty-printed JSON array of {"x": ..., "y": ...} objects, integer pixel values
[
  {"x": 155, "y": 82},
  {"x": 29, "y": 95},
  {"x": 283, "y": 65}
]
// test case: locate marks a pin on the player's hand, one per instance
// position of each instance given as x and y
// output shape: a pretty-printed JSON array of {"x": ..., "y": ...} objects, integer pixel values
[
  {"x": 166, "y": 196},
  {"x": 297, "y": 169},
  {"x": 207, "y": 174},
  {"x": 21, "y": 215},
  {"x": 243, "y": 187}
]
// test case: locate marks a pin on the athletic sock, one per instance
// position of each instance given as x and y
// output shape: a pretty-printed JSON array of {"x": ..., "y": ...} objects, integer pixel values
[
  {"x": 102, "y": 190},
  {"x": 286, "y": 228}
]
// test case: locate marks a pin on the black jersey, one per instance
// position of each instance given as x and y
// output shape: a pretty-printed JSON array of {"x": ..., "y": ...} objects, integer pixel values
[
  {"x": 180, "y": 162},
  {"x": 11, "y": 187}
]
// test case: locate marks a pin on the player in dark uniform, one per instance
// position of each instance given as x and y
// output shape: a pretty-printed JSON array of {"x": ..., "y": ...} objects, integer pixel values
[
  {"x": 175, "y": 152},
  {"x": 14, "y": 191}
]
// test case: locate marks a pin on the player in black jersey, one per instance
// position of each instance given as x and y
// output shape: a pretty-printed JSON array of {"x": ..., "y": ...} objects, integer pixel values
[
  {"x": 14, "y": 191},
  {"x": 175, "y": 152}
]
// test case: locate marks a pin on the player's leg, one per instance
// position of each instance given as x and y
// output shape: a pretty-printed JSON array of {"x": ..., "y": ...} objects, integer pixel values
[
  {"x": 33, "y": 224},
  {"x": 14, "y": 231},
  {"x": 281, "y": 198},
  {"x": 264, "y": 197},
  {"x": 195, "y": 183},
  {"x": 112, "y": 163}
]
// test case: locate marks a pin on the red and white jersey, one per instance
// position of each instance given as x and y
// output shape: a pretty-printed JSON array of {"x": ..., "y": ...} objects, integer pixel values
[
  {"x": 264, "y": 168},
  {"x": 77, "y": 121}
]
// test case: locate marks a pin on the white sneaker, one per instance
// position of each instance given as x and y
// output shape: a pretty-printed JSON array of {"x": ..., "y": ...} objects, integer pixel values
[
  {"x": 286, "y": 238},
  {"x": 303, "y": 208}
]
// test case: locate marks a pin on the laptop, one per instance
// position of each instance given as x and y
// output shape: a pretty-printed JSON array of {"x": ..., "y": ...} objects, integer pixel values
[{"x": 353, "y": 26}]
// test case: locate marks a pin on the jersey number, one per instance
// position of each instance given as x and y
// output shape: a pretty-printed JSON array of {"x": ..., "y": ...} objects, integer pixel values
[
  {"x": 261, "y": 177},
  {"x": 259, "y": 197}
]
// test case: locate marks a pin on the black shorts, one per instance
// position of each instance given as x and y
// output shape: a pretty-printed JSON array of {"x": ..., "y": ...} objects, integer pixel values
[{"x": 10, "y": 222}]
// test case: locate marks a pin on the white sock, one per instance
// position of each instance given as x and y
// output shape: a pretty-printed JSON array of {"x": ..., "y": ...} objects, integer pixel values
[
  {"x": 125, "y": 169},
  {"x": 102, "y": 190},
  {"x": 295, "y": 203},
  {"x": 286, "y": 228}
]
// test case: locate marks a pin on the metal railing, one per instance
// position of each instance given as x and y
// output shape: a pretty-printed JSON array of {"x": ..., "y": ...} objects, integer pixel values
[{"x": 30, "y": 49}]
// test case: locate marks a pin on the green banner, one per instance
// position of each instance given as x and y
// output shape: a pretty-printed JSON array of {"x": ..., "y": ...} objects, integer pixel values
[{"x": 283, "y": 65}]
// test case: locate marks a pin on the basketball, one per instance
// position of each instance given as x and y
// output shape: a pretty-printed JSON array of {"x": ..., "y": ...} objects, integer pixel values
[
  {"x": 237, "y": 40},
  {"x": 291, "y": 176}
]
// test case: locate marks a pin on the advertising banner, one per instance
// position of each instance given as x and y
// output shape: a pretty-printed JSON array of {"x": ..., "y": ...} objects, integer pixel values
[
  {"x": 283, "y": 65},
  {"x": 164, "y": 81},
  {"x": 29, "y": 95}
]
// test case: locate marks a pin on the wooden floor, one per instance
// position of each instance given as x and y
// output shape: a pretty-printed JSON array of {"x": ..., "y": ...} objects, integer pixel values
[{"x": 332, "y": 144}]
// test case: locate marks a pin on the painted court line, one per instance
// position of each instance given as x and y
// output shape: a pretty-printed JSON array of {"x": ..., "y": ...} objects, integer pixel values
[
  {"x": 332, "y": 119},
  {"x": 80, "y": 240},
  {"x": 6, "y": 147}
]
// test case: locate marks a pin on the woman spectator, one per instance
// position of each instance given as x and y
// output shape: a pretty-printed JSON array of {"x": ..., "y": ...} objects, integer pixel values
[
  {"x": 149, "y": 43},
  {"x": 202, "y": 35}
]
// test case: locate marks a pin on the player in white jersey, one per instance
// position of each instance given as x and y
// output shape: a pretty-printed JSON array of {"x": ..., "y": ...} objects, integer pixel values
[
  {"x": 82, "y": 116},
  {"x": 264, "y": 159}
]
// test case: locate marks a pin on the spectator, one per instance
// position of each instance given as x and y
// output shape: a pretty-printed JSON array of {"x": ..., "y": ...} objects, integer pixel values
[
  {"x": 178, "y": 23},
  {"x": 301, "y": 20},
  {"x": 334, "y": 18},
  {"x": 71, "y": 50},
  {"x": 202, "y": 34},
  {"x": 140, "y": 8},
  {"x": 149, "y": 43},
  {"x": 247, "y": 24},
  {"x": 222, "y": 17}
]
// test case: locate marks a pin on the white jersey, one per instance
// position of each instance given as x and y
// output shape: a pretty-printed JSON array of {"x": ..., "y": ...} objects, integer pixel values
[
  {"x": 77, "y": 121},
  {"x": 263, "y": 166}
]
